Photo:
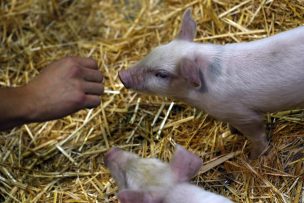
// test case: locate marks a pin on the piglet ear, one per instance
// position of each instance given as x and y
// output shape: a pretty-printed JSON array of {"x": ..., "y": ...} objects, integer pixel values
[
  {"x": 185, "y": 164},
  {"x": 190, "y": 71},
  {"x": 188, "y": 27},
  {"x": 136, "y": 196}
]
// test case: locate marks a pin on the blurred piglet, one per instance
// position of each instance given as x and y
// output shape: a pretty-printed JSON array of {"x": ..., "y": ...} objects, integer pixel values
[
  {"x": 236, "y": 83},
  {"x": 153, "y": 181}
]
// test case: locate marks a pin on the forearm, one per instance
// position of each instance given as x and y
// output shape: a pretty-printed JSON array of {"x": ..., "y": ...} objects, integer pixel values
[{"x": 14, "y": 109}]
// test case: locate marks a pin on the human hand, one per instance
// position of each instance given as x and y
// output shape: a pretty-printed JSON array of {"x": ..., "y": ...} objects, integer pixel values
[{"x": 62, "y": 88}]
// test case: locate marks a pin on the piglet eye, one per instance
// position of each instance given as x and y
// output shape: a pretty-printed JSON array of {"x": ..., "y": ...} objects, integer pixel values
[{"x": 162, "y": 74}]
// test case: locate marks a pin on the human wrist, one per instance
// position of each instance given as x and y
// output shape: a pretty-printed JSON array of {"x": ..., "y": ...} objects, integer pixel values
[
  {"x": 25, "y": 104},
  {"x": 14, "y": 108}
]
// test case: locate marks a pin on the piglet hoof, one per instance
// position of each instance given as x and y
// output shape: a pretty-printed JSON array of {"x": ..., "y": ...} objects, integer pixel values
[
  {"x": 233, "y": 130},
  {"x": 257, "y": 149}
]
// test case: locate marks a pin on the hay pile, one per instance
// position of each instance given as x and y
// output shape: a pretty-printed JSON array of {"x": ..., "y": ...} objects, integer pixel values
[{"x": 62, "y": 160}]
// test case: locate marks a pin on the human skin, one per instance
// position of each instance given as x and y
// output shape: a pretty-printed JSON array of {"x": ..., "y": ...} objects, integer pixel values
[{"x": 62, "y": 88}]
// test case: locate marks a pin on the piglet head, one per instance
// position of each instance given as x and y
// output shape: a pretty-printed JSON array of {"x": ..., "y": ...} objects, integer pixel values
[
  {"x": 170, "y": 69},
  {"x": 147, "y": 180},
  {"x": 135, "y": 173}
]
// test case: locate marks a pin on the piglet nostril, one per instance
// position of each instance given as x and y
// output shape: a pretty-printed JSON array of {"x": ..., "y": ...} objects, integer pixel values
[{"x": 124, "y": 77}]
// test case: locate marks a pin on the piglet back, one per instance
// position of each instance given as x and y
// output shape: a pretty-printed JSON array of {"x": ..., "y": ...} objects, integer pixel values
[{"x": 187, "y": 193}]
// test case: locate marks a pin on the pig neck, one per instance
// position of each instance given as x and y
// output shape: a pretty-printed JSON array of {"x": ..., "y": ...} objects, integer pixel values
[
  {"x": 216, "y": 63},
  {"x": 206, "y": 56}
]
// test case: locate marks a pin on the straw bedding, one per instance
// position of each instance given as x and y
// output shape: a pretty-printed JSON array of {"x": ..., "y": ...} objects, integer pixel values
[{"x": 62, "y": 160}]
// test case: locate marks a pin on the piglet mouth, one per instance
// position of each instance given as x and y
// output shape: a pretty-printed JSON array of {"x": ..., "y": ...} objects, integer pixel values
[{"x": 125, "y": 77}]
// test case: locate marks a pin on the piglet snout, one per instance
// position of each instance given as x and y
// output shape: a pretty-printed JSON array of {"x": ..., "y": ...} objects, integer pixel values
[
  {"x": 125, "y": 78},
  {"x": 111, "y": 155}
]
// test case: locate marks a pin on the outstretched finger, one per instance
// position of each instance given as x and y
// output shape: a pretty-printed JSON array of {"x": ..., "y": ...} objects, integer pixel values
[
  {"x": 93, "y": 88},
  {"x": 86, "y": 62},
  {"x": 92, "y": 101},
  {"x": 92, "y": 75}
]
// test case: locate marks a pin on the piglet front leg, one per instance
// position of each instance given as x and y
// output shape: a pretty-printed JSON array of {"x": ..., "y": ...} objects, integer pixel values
[{"x": 253, "y": 128}]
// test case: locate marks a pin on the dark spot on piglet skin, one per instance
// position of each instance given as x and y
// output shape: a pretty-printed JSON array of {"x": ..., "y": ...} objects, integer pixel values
[
  {"x": 215, "y": 69},
  {"x": 203, "y": 88},
  {"x": 274, "y": 53}
]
